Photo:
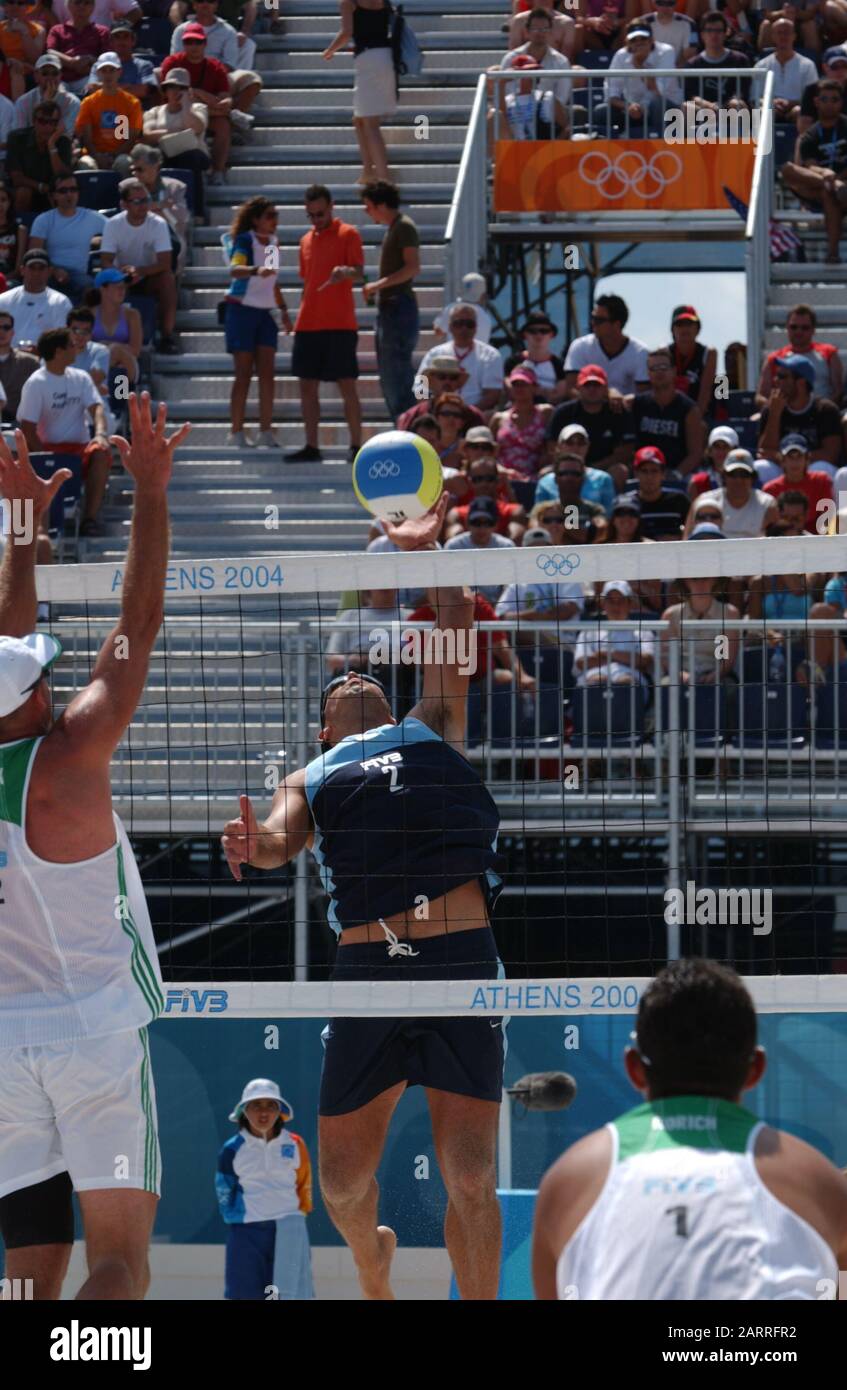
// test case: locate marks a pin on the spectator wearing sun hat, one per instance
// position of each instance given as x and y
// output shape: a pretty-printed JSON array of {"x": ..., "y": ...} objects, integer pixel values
[
  {"x": 209, "y": 81},
  {"x": 443, "y": 373},
  {"x": 483, "y": 363},
  {"x": 472, "y": 290},
  {"x": 521, "y": 429},
  {"x": 109, "y": 121},
  {"x": 263, "y": 1185},
  {"x": 794, "y": 408},
  {"x": 548, "y": 368},
  {"x": 610, "y": 432}
]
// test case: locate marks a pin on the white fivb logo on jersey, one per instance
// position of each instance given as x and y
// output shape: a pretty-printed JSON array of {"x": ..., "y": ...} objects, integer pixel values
[{"x": 684, "y": 1122}]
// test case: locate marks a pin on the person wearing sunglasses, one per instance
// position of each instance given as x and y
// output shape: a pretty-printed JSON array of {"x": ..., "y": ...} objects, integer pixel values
[
  {"x": 442, "y": 374},
  {"x": 486, "y": 480},
  {"x": 623, "y": 359},
  {"x": 607, "y": 428},
  {"x": 482, "y": 362},
  {"x": 397, "y": 817},
  {"x": 48, "y": 87},
  {"x": 801, "y": 323},
  {"x": 666, "y": 418},
  {"x": 521, "y": 430},
  {"x": 818, "y": 178},
  {"x": 744, "y": 510},
  {"x": 547, "y": 367},
  {"x": 36, "y": 157},
  {"x": 15, "y": 368},
  {"x": 472, "y": 290},
  {"x": 721, "y": 439},
  {"x": 33, "y": 306},
  {"x": 138, "y": 243},
  {"x": 707, "y": 89},
  {"x": 670, "y": 27},
  {"x": 65, "y": 233}
]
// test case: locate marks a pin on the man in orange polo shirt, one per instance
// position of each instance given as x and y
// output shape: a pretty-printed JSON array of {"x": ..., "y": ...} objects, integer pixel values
[
  {"x": 325, "y": 334},
  {"x": 110, "y": 121}
]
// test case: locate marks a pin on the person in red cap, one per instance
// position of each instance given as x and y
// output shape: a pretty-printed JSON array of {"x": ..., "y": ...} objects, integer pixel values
[
  {"x": 663, "y": 510},
  {"x": 521, "y": 429},
  {"x": 694, "y": 364},
  {"x": 209, "y": 87},
  {"x": 547, "y": 367},
  {"x": 610, "y": 432}
]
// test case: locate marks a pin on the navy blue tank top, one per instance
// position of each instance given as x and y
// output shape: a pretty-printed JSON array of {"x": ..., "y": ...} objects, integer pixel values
[{"x": 399, "y": 815}]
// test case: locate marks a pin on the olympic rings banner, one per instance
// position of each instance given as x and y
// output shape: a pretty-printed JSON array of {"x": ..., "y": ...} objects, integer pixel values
[{"x": 612, "y": 175}]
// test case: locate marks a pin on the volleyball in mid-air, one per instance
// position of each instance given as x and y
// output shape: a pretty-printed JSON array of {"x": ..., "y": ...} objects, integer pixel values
[{"x": 397, "y": 476}]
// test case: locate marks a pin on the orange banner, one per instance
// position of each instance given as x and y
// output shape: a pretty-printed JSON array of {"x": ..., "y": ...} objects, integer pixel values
[{"x": 595, "y": 175}]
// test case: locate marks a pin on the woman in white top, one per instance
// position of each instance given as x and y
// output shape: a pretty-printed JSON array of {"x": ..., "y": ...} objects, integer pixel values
[
  {"x": 368, "y": 24},
  {"x": 178, "y": 130},
  {"x": 251, "y": 331}
]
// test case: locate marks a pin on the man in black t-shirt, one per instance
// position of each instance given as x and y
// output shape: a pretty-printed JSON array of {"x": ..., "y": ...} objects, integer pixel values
[
  {"x": 663, "y": 511},
  {"x": 609, "y": 431},
  {"x": 666, "y": 418},
  {"x": 818, "y": 178},
  {"x": 715, "y": 92},
  {"x": 795, "y": 409},
  {"x": 835, "y": 68}
]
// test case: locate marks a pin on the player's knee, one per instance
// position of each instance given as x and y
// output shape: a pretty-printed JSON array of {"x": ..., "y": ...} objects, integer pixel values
[
  {"x": 341, "y": 1184},
  {"x": 111, "y": 1277},
  {"x": 470, "y": 1180}
]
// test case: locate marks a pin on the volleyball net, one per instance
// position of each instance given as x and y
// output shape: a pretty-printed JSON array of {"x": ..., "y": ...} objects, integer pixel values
[{"x": 663, "y": 728}]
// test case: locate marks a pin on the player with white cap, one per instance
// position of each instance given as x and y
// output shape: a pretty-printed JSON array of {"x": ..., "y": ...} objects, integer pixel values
[{"x": 79, "y": 975}]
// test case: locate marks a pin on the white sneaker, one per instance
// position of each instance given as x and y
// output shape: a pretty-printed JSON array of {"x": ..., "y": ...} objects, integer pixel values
[
  {"x": 239, "y": 439},
  {"x": 266, "y": 439},
  {"x": 242, "y": 120}
]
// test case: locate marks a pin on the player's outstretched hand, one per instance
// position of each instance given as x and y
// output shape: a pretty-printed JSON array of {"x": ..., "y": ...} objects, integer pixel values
[
  {"x": 20, "y": 483},
  {"x": 149, "y": 454},
  {"x": 240, "y": 838},
  {"x": 422, "y": 532}
]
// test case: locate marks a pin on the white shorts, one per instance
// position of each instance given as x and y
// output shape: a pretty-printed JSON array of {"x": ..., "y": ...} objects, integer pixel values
[
  {"x": 375, "y": 91},
  {"x": 86, "y": 1107}
]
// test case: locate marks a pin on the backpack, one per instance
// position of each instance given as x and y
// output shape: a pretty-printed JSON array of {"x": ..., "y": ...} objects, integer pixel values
[{"x": 406, "y": 51}]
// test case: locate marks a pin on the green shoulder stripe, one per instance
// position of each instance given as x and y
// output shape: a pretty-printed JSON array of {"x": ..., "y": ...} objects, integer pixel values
[
  {"x": 14, "y": 765},
  {"x": 698, "y": 1122}
]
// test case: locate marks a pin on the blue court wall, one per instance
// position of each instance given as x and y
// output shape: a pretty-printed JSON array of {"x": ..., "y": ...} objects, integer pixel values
[{"x": 200, "y": 1067}]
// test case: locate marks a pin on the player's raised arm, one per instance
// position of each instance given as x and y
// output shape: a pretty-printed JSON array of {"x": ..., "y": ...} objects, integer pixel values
[
  {"x": 94, "y": 722},
  {"x": 449, "y": 659},
  {"x": 28, "y": 497},
  {"x": 271, "y": 843}
]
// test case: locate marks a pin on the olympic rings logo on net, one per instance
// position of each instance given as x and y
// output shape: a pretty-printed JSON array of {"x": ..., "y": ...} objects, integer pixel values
[
  {"x": 383, "y": 468},
  {"x": 558, "y": 564},
  {"x": 631, "y": 172}
]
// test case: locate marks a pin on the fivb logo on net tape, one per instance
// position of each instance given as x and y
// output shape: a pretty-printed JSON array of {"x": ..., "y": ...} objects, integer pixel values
[{"x": 196, "y": 1001}]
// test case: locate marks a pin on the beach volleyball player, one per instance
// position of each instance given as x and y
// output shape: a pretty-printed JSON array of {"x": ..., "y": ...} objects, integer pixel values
[
  {"x": 79, "y": 976},
  {"x": 689, "y": 1196},
  {"x": 397, "y": 818}
]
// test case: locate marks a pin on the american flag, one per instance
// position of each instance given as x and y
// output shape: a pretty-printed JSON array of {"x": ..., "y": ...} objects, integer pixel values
[{"x": 784, "y": 240}]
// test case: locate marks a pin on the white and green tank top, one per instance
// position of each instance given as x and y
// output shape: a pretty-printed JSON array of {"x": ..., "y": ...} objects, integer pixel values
[
  {"x": 685, "y": 1215},
  {"x": 77, "y": 953}
]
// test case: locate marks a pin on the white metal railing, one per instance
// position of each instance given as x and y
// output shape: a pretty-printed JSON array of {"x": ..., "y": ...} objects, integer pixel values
[
  {"x": 757, "y": 258},
  {"x": 467, "y": 231}
]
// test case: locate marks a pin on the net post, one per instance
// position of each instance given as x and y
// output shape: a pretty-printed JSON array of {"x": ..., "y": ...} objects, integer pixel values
[
  {"x": 301, "y": 865},
  {"x": 672, "y": 947},
  {"x": 504, "y": 1143}
]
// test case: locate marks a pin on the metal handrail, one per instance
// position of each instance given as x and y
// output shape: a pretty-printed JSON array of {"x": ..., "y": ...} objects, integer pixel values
[
  {"x": 757, "y": 257},
  {"x": 466, "y": 232}
]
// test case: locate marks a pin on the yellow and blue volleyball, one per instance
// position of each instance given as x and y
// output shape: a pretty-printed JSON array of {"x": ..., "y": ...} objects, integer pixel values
[{"x": 397, "y": 476}]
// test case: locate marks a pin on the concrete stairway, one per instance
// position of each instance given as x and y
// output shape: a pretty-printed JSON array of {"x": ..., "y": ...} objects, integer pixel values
[{"x": 303, "y": 134}]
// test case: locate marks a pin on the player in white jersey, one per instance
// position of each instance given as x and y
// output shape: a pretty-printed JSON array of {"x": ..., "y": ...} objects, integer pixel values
[
  {"x": 689, "y": 1196},
  {"x": 79, "y": 976}
]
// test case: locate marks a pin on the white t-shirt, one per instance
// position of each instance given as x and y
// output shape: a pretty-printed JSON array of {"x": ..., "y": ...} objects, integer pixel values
[
  {"x": 598, "y": 639},
  {"x": 623, "y": 371},
  {"x": 679, "y": 34},
  {"x": 350, "y": 634},
  {"x": 661, "y": 55},
  {"x": 739, "y": 521},
  {"x": 551, "y": 59},
  {"x": 136, "y": 246},
  {"x": 221, "y": 41},
  {"x": 791, "y": 80},
  {"x": 483, "y": 364},
  {"x": 58, "y": 405},
  {"x": 484, "y": 321},
  {"x": 34, "y": 313},
  {"x": 538, "y": 600}
]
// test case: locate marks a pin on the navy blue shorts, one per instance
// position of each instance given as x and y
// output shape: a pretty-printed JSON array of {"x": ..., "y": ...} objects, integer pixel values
[
  {"x": 364, "y": 1057},
  {"x": 248, "y": 328},
  {"x": 325, "y": 355},
  {"x": 249, "y": 1260}
]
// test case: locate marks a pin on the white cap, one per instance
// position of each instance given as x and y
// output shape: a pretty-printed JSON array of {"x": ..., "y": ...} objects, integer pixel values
[
  {"x": 23, "y": 661},
  {"x": 49, "y": 60},
  {"x": 617, "y": 586},
  {"x": 108, "y": 60},
  {"x": 537, "y": 535},
  {"x": 262, "y": 1089},
  {"x": 569, "y": 431},
  {"x": 724, "y": 434},
  {"x": 473, "y": 287}
]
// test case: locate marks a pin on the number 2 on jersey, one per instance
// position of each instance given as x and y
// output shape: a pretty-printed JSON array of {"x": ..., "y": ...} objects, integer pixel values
[{"x": 394, "y": 773}]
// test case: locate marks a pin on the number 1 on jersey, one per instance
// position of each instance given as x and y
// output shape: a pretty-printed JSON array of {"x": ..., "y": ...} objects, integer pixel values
[{"x": 681, "y": 1214}]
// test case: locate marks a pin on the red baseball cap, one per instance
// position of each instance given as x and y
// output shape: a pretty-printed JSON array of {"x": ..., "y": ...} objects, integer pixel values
[
  {"x": 194, "y": 31},
  {"x": 685, "y": 311},
  {"x": 649, "y": 454},
  {"x": 591, "y": 373}
]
